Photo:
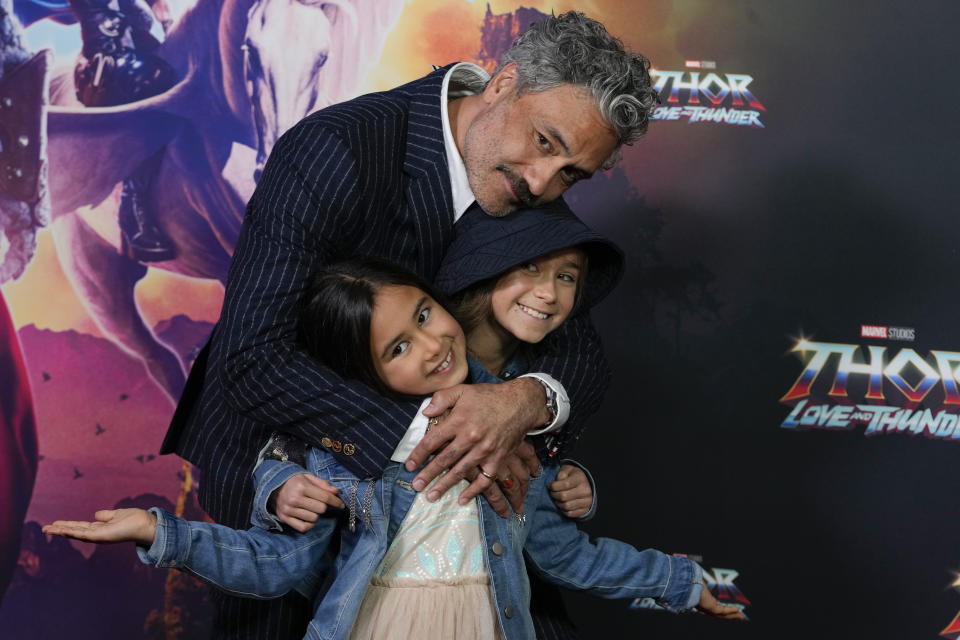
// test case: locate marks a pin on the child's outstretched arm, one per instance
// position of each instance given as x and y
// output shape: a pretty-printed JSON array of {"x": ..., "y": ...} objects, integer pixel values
[
  {"x": 567, "y": 557},
  {"x": 110, "y": 526},
  {"x": 253, "y": 563}
]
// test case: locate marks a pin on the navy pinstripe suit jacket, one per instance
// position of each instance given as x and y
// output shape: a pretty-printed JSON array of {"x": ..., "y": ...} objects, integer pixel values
[{"x": 364, "y": 177}]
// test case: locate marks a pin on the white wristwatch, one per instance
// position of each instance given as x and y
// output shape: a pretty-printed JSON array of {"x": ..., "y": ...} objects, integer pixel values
[{"x": 552, "y": 405}]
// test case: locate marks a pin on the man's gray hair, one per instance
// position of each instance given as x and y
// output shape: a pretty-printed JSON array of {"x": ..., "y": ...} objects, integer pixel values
[{"x": 574, "y": 49}]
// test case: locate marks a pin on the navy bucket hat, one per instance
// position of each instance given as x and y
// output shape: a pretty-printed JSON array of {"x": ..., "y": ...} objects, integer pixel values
[{"x": 486, "y": 246}]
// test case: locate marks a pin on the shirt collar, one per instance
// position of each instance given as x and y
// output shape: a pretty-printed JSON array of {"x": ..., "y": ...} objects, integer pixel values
[
  {"x": 479, "y": 374},
  {"x": 467, "y": 79}
]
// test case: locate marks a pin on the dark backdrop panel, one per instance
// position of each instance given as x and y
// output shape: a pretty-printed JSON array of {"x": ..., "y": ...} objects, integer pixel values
[{"x": 838, "y": 213}]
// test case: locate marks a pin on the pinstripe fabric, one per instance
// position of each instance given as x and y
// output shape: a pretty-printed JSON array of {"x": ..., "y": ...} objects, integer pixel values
[
  {"x": 364, "y": 177},
  {"x": 247, "y": 619},
  {"x": 550, "y": 619}
]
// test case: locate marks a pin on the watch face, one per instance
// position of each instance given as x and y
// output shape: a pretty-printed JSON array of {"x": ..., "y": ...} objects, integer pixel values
[
  {"x": 547, "y": 389},
  {"x": 551, "y": 401}
]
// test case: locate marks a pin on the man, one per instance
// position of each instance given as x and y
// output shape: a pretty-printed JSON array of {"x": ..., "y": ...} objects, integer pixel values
[{"x": 388, "y": 175}]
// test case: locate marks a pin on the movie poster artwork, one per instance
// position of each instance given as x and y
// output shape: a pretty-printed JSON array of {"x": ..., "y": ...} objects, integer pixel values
[
  {"x": 101, "y": 337},
  {"x": 785, "y": 391}
]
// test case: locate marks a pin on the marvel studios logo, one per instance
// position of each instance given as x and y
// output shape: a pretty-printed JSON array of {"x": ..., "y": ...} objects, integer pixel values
[
  {"x": 888, "y": 333},
  {"x": 700, "y": 64}
]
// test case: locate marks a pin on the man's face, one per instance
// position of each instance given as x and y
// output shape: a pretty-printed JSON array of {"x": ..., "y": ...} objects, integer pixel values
[{"x": 522, "y": 150}]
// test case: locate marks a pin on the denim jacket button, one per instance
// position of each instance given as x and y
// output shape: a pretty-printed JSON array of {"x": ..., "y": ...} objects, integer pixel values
[
  {"x": 508, "y": 611},
  {"x": 497, "y": 548}
]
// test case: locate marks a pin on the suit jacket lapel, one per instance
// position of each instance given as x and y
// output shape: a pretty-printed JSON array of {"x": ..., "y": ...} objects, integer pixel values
[{"x": 428, "y": 188}]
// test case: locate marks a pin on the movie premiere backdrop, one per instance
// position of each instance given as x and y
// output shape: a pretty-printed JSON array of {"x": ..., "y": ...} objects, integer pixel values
[{"x": 785, "y": 402}]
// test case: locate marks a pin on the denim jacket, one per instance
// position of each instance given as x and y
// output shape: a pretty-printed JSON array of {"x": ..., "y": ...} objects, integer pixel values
[{"x": 260, "y": 564}]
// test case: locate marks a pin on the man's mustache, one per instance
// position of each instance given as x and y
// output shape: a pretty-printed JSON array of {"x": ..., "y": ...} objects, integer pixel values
[{"x": 520, "y": 187}]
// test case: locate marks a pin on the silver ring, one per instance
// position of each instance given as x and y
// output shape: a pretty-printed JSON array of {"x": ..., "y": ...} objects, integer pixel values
[{"x": 486, "y": 475}]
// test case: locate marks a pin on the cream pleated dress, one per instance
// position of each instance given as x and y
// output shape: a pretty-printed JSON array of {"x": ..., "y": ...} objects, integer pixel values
[{"x": 433, "y": 582}]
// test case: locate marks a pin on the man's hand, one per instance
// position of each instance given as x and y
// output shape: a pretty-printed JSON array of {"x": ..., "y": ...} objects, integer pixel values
[
  {"x": 486, "y": 422},
  {"x": 710, "y": 606},
  {"x": 513, "y": 479},
  {"x": 112, "y": 525},
  {"x": 513, "y": 476},
  {"x": 571, "y": 491},
  {"x": 302, "y": 499}
]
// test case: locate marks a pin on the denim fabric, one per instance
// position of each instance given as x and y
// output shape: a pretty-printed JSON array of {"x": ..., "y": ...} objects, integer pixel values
[
  {"x": 260, "y": 564},
  {"x": 270, "y": 475}
]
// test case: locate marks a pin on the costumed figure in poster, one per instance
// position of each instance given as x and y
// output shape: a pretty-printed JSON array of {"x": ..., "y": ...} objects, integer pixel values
[
  {"x": 238, "y": 86},
  {"x": 117, "y": 66},
  {"x": 24, "y": 201},
  {"x": 18, "y": 447},
  {"x": 24, "y": 208}
]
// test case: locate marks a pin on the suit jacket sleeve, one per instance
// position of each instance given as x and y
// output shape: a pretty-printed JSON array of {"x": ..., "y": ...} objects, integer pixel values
[
  {"x": 305, "y": 210},
  {"x": 574, "y": 356}
]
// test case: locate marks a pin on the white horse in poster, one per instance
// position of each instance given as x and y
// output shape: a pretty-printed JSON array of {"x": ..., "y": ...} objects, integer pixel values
[{"x": 248, "y": 70}]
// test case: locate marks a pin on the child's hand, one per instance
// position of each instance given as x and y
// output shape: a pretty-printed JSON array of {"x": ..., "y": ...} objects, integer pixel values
[
  {"x": 302, "y": 499},
  {"x": 710, "y": 606},
  {"x": 112, "y": 525},
  {"x": 571, "y": 491}
]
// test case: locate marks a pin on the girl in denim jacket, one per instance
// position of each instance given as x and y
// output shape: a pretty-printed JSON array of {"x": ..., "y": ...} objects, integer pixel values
[{"x": 405, "y": 567}]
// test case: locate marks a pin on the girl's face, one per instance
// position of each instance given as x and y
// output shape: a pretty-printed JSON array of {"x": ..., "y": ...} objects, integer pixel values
[
  {"x": 535, "y": 298},
  {"x": 417, "y": 347}
]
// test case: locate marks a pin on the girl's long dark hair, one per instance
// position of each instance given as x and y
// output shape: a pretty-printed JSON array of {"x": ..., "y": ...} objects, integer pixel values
[{"x": 334, "y": 324}]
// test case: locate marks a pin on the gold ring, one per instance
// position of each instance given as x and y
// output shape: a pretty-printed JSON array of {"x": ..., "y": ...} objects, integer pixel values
[
  {"x": 432, "y": 422},
  {"x": 507, "y": 482},
  {"x": 486, "y": 475}
]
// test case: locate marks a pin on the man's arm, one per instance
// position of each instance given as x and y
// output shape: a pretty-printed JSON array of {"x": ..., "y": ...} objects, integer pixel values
[{"x": 305, "y": 209}]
